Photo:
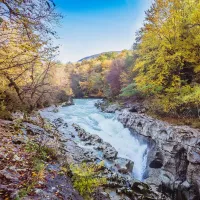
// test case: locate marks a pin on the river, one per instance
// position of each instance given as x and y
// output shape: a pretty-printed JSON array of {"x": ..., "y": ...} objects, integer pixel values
[{"x": 86, "y": 115}]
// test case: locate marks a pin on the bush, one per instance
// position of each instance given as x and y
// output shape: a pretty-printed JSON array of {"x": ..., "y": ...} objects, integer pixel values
[
  {"x": 129, "y": 91},
  {"x": 4, "y": 114},
  {"x": 86, "y": 178},
  {"x": 42, "y": 152}
]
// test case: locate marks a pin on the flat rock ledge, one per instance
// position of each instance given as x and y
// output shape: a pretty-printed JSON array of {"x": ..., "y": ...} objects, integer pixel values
[{"x": 173, "y": 161}]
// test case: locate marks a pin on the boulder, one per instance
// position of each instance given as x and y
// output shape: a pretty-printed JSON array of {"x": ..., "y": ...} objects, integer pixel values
[
  {"x": 124, "y": 165},
  {"x": 109, "y": 152},
  {"x": 106, "y": 107},
  {"x": 58, "y": 122},
  {"x": 33, "y": 129},
  {"x": 68, "y": 103}
]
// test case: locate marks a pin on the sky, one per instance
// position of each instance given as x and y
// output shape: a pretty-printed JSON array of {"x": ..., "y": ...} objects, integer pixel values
[{"x": 90, "y": 27}]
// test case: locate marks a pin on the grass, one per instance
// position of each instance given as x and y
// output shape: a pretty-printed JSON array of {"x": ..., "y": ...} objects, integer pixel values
[{"x": 42, "y": 152}]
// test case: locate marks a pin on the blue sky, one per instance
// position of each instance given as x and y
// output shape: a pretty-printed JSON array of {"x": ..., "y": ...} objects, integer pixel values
[{"x": 94, "y": 26}]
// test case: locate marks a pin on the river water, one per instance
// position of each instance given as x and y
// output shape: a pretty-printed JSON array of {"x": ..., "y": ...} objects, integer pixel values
[{"x": 106, "y": 125}]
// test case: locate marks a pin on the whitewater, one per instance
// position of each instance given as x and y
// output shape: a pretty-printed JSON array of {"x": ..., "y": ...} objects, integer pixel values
[{"x": 105, "y": 125}]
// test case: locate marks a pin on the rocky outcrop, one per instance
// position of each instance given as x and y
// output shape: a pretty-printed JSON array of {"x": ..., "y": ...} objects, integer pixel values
[
  {"x": 105, "y": 106},
  {"x": 107, "y": 150},
  {"x": 69, "y": 102},
  {"x": 173, "y": 163}
]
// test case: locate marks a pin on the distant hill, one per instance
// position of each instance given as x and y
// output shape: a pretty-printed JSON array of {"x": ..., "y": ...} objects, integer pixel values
[{"x": 97, "y": 55}]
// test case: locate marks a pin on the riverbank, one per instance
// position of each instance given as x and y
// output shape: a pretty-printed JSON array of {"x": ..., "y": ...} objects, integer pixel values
[
  {"x": 90, "y": 147},
  {"x": 173, "y": 161},
  {"x": 40, "y": 155},
  {"x": 31, "y": 165}
]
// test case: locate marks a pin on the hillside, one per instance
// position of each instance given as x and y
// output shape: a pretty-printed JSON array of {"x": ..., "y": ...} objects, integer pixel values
[{"x": 97, "y": 55}]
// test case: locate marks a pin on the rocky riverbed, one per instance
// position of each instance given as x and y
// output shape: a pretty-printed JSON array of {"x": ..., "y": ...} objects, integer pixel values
[
  {"x": 173, "y": 161},
  {"x": 118, "y": 171},
  {"x": 65, "y": 139},
  {"x": 172, "y": 170}
]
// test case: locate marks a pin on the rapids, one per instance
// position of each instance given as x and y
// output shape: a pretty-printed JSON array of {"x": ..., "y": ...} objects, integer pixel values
[{"x": 87, "y": 116}]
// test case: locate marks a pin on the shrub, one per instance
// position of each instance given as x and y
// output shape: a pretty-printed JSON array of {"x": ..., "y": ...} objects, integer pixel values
[
  {"x": 86, "y": 178},
  {"x": 129, "y": 91},
  {"x": 42, "y": 152}
]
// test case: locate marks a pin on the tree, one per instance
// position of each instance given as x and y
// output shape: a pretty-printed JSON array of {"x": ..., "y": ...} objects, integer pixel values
[
  {"x": 168, "y": 50},
  {"x": 113, "y": 77},
  {"x": 26, "y": 52}
]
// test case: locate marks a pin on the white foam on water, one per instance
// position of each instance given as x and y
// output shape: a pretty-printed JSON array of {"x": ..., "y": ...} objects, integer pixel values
[{"x": 85, "y": 114}]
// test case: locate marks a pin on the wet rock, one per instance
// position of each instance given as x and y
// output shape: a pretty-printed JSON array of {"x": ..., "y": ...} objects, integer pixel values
[
  {"x": 123, "y": 165},
  {"x": 96, "y": 139},
  {"x": 112, "y": 108},
  {"x": 82, "y": 134},
  {"x": 63, "y": 139},
  {"x": 65, "y": 125},
  {"x": 67, "y": 102},
  {"x": 140, "y": 187},
  {"x": 137, "y": 108},
  {"x": 90, "y": 156},
  {"x": 58, "y": 122},
  {"x": 74, "y": 153},
  {"x": 185, "y": 185},
  {"x": 106, "y": 107},
  {"x": 194, "y": 156},
  {"x": 109, "y": 152},
  {"x": 55, "y": 110},
  {"x": 157, "y": 162}
]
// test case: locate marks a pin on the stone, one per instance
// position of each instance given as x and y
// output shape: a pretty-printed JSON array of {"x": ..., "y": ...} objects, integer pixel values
[
  {"x": 55, "y": 110},
  {"x": 58, "y": 122},
  {"x": 185, "y": 185},
  {"x": 11, "y": 175},
  {"x": 123, "y": 165},
  {"x": 109, "y": 152},
  {"x": 106, "y": 107},
  {"x": 19, "y": 139},
  {"x": 33, "y": 129},
  {"x": 17, "y": 158},
  {"x": 194, "y": 156}
]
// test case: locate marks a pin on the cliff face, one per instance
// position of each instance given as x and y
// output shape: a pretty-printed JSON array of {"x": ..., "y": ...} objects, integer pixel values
[{"x": 173, "y": 160}]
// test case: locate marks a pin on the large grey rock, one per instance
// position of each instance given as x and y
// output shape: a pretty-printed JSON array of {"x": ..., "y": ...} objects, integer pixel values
[
  {"x": 123, "y": 165},
  {"x": 106, "y": 107}
]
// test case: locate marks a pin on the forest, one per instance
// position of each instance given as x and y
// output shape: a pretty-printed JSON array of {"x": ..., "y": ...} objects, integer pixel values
[{"x": 162, "y": 68}]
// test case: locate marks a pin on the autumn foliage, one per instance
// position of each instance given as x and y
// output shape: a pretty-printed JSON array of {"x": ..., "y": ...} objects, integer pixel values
[
  {"x": 27, "y": 56},
  {"x": 163, "y": 68}
]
